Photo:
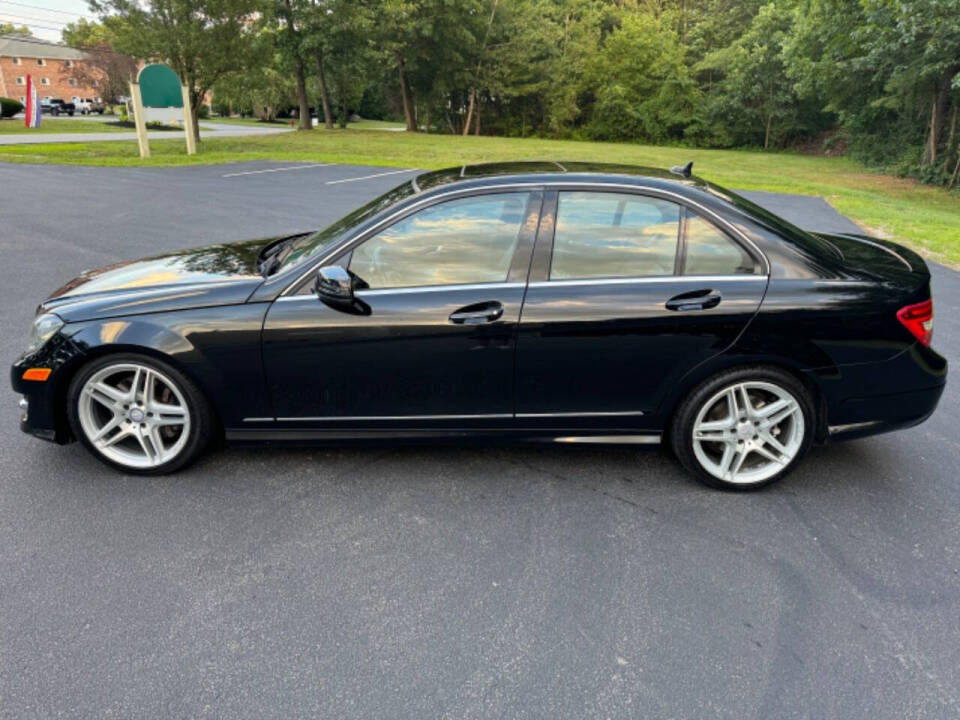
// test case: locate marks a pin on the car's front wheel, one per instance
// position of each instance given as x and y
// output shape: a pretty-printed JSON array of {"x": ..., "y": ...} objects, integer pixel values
[
  {"x": 744, "y": 428},
  {"x": 138, "y": 414}
]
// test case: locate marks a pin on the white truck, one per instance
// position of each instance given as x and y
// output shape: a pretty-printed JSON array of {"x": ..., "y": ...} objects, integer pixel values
[{"x": 88, "y": 106}]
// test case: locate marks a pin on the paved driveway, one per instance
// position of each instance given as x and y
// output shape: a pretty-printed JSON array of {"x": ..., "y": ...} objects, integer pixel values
[
  {"x": 207, "y": 128},
  {"x": 409, "y": 582}
]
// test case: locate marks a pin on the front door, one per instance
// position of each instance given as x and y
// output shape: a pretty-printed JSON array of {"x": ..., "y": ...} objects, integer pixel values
[
  {"x": 627, "y": 293},
  {"x": 442, "y": 289}
]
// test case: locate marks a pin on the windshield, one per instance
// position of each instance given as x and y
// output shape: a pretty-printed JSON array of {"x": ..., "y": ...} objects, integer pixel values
[{"x": 302, "y": 248}]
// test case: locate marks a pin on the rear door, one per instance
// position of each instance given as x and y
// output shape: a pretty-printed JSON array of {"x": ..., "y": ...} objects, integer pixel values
[
  {"x": 627, "y": 293},
  {"x": 442, "y": 292}
]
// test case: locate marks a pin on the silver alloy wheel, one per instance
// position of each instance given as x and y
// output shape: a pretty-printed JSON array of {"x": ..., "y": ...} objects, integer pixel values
[
  {"x": 748, "y": 432},
  {"x": 134, "y": 415}
]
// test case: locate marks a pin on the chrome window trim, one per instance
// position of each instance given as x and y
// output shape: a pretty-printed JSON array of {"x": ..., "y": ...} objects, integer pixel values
[
  {"x": 349, "y": 244},
  {"x": 652, "y": 279},
  {"x": 419, "y": 289}
]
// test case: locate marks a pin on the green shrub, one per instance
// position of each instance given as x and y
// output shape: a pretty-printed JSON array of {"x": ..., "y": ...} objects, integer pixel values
[
  {"x": 9, "y": 107},
  {"x": 203, "y": 112}
]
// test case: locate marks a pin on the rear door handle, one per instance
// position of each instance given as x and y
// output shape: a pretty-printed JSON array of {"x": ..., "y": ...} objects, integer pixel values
[
  {"x": 694, "y": 300},
  {"x": 477, "y": 314}
]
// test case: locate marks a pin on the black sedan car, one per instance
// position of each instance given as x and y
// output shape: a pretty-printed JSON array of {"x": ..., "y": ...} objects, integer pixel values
[{"x": 570, "y": 303}]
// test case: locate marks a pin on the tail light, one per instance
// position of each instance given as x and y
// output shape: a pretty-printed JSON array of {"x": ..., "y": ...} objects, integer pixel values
[{"x": 918, "y": 319}]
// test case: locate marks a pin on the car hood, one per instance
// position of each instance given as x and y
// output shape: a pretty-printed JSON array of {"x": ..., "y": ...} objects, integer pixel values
[{"x": 199, "y": 277}]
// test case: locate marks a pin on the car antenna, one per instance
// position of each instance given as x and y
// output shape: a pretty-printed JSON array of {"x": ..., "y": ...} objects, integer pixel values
[{"x": 685, "y": 170}]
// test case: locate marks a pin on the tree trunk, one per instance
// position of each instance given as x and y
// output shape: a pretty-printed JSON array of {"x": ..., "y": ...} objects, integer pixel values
[
  {"x": 938, "y": 106},
  {"x": 466, "y": 123},
  {"x": 344, "y": 110},
  {"x": 306, "y": 123},
  {"x": 408, "y": 109},
  {"x": 324, "y": 95},
  {"x": 476, "y": 130},
  {"x": 956, "y": 174},
  {"x": 196, "y": 97},
  {"x": 473, "y": 90},
  {"x": 766, "y": 137}
]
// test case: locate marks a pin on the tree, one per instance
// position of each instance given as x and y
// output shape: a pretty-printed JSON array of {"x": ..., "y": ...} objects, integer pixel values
[
  {"x": 11, "y": 29},
  {"x": 102, "y": 67},
  {"x": 264, "y": 88},
  {"x": 342, "y": 53},
  {"x": 890, "y": 72},
  {"x": 289, "y": 16},
  {"x": 755, "y": 89},
  {"x": 642, "y": 88},
  {"x": 202, "y": 40}
]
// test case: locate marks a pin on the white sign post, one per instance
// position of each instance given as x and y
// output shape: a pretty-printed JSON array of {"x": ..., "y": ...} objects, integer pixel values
[{"x": 139, "y": 120}]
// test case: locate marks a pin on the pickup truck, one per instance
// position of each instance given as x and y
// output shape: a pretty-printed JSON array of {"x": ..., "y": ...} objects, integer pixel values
[
  {"x": 57, "y": 106},
  {"x": 88, "y": 106}
]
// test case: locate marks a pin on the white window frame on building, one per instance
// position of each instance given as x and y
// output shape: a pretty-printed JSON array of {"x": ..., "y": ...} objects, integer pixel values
[
  {"x": 41, "y": 62},
  {"x": 16, "y": 61},
  {"x": 69, "y": 63},
  {"x": 45, "y": 81},
  {"x": 21, "y": 80},
  {"x": 72, "y": 82}
]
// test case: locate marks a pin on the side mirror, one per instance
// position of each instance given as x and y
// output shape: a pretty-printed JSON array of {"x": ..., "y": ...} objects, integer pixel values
[{"x": 334, "y": 287}]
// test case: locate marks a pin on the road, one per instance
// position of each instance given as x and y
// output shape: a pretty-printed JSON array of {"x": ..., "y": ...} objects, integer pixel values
[
  {"x": 419, "y": 582},
  {"x": 206, "y": 128}
]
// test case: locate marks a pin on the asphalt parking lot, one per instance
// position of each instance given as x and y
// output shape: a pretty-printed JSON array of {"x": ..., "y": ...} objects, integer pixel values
[{"x": 553, "y": 582}]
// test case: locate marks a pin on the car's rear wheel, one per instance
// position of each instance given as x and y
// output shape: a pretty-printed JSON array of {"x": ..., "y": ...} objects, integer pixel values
[
  {"x": 138, "y": 414},
  {"x": 745, "y": 428}
]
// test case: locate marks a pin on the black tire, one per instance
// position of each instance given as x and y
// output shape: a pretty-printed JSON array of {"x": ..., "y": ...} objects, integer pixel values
[
  {"x": 203, "y": 422},
  {"x": 684, "y": 418}
]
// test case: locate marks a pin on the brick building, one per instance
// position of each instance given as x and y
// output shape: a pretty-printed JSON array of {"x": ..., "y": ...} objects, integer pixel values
[{"x": 51, "y": 65}]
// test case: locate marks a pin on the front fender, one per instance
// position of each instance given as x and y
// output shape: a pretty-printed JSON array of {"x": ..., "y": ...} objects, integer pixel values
[{"x": 216, "y": 347}]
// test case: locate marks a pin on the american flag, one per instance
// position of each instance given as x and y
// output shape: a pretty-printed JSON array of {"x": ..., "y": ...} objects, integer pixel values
[{"x": 33, "y": 104}]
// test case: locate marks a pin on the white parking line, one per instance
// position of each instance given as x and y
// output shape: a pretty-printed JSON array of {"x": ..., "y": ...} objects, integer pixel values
[
  {"x": 369, "y": 177},
  {"x": 279, "y": 169}
]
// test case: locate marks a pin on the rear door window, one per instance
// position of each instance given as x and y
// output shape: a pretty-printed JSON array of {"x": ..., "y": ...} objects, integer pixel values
[
  {"x": 710, "y": 251},
  {"x": 614, "y": 235}
]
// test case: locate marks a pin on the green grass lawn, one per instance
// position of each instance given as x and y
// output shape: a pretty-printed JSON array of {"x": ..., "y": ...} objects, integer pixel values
[
  {"x": 926, "y": 218},
  {"x": 9, "y": 126}
]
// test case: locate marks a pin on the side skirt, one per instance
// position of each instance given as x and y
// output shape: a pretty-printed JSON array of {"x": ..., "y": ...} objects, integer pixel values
[{"x": 291, "y": 435}]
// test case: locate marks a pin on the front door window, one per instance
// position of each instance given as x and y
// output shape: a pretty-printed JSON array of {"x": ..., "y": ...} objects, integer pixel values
[{"x": 463, "y": 241}]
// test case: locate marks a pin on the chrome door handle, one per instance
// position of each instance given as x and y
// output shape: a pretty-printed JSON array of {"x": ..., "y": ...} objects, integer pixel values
[
  {"x": 695, "y": 300},
  {"x": 477, "y": 314}
]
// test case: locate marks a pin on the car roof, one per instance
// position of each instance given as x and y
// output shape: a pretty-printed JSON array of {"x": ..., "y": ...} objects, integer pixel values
[{"x": 551, "y": 171}]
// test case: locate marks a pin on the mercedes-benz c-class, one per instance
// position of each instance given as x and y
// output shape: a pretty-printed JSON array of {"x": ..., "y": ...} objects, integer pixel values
[{"x": 543, "y": 302}]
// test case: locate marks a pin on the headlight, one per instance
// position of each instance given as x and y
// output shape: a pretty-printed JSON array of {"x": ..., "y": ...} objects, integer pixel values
[{"x": 44, "y": 327}]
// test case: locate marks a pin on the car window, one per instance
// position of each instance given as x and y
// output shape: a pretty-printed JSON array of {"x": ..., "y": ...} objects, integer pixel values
[
  {"x": 612, "y": 235},
  {"x": 710, "y": 251},
  {"x": 468, "y": 240}
]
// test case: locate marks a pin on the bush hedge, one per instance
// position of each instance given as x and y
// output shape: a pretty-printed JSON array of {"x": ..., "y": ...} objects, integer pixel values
[{"x": 9, "y": 107}]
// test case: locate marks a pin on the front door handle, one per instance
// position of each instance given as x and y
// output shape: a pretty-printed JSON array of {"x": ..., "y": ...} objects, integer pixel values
[
  {"x": 477, "y": 314},
  {"x": 694, "y": 300}
]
